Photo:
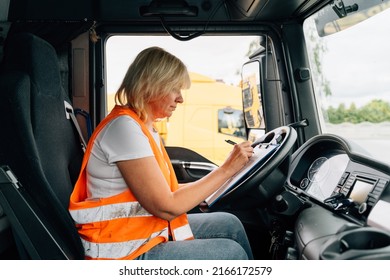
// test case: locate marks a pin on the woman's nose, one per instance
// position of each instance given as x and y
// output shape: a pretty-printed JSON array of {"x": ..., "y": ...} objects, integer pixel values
[{"x": 179, "y": 99}]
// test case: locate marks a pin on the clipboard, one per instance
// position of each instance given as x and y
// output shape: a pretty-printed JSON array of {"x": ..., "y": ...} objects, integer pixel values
[{"x": 261, "y": 153}]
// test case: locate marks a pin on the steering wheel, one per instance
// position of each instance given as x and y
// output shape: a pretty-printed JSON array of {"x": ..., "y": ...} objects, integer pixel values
[{"x": 284, "y": 138}]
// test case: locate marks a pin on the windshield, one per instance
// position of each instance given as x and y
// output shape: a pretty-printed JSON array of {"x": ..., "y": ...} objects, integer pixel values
[{"x": 351, "y": 76}]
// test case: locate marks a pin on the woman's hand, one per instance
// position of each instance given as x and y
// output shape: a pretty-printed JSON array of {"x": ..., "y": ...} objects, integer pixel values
[{"x": 238, "y": 157}]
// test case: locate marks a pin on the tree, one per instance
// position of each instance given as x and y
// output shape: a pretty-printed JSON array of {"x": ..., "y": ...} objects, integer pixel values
[
  {"x": 375, "y": 112},
  {"x": 316, "y": 51},
  {"x": 253, "y": 46}
]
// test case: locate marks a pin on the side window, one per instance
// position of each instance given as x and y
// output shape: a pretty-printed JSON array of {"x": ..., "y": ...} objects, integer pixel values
[{"x": 212, "y": 109}]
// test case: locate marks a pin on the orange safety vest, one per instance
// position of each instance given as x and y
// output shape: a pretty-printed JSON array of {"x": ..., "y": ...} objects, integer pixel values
[{"x": 118, "y": 227}]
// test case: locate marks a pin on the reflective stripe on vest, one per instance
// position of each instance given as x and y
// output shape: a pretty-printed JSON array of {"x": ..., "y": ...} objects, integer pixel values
[
  {"x": 117, "y": 250},
  {"x": 109, "y": 212},
  {"x": 182, "y": 233},
  {"x": 118, "y": 226}
]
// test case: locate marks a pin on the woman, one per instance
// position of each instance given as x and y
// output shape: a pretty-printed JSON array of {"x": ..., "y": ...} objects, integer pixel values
[{"x": 127, "y": 203}]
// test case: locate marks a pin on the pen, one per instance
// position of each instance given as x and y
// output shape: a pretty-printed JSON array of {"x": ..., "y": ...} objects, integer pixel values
[
  {"x": 230, "y": 142},
  {"x": 234, "y": 143},
  {"x": 253, "y": 145}
]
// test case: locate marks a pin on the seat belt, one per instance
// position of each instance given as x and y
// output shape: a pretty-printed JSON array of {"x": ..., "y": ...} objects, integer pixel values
[
  {"x": 87, "y": 117},
  {"x": 69, "y": 113}
]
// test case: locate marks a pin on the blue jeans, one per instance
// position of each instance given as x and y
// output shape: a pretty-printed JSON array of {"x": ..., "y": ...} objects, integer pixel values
[{"x": 218, "y": 236}]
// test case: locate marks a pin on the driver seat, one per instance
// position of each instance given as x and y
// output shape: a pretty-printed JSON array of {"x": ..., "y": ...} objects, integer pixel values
[{"x": 41, "y": 147}]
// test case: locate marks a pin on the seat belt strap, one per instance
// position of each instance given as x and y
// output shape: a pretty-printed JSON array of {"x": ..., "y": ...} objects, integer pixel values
[
  {"x": 87, "y": 117},
  {"x": 69, "y": 113}
]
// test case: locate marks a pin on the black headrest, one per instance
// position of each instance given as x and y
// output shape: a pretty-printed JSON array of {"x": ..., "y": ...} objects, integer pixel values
[{"x": 28, "y": 53}]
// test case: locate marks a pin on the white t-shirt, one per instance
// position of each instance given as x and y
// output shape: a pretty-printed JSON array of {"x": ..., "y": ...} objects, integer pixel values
[{"x": 120, "y": 139}]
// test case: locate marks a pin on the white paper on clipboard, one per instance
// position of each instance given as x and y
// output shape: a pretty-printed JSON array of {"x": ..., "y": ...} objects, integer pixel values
[{"x": 261, "y": 154}]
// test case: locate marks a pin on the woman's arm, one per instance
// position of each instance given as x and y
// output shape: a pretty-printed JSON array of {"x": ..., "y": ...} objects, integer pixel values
[{"x": 144, "y": 178}]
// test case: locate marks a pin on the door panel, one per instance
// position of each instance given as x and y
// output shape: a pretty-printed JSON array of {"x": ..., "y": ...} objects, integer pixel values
[{"x": 189, "y": 166}]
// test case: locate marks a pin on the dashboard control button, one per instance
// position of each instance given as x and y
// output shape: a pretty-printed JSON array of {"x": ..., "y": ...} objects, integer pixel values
[
  {"x": 362, "y": 208},
  {"x": 304, "y": 183}
]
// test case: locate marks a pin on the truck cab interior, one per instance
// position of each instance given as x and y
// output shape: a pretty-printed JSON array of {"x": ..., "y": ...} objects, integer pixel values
[{"x": 321, "y": 194}]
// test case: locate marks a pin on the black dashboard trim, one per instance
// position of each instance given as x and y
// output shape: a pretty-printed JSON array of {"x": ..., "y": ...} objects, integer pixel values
[{"x": 321, "y": 224}]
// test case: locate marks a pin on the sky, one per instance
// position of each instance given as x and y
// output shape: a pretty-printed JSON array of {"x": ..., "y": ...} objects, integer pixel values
[
  {"x": 218, "y": 58},
  {"x": 356, "y": 56}
]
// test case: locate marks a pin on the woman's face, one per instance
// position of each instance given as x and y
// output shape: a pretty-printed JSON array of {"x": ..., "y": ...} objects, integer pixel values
[{"x": 165, "y": 106}]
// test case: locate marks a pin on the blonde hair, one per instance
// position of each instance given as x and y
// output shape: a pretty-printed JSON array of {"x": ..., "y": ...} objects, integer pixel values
[{"x": 153, "y": 74}]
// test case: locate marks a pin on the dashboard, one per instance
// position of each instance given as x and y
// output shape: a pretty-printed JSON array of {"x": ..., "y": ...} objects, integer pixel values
[{"x": 347, "y": 201}]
